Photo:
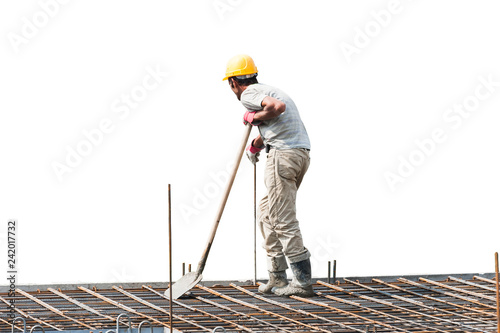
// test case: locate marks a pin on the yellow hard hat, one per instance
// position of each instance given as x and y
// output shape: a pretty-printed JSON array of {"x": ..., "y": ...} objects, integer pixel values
[{"x": 238, "y": 65}]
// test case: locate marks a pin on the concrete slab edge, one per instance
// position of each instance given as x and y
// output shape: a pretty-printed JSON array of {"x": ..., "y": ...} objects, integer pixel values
[{"x": 137, "y": 285}]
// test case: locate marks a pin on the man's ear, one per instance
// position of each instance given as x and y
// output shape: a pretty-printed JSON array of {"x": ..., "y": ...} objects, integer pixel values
[{"x": 231, "y": 82}]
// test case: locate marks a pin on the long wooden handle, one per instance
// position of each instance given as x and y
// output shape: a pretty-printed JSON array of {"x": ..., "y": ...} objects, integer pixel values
[{"x": 241, "y": 150}]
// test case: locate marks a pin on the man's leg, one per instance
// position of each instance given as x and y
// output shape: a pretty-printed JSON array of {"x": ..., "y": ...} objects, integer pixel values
[
  {"x": 289, "y": 169},
  {"x": 276, "y": 261}
]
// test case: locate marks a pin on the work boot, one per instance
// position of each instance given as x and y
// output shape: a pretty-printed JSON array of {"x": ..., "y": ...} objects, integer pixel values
[
  {"x": 301, "y": 283},
  {"x": 276, "y": 279}
]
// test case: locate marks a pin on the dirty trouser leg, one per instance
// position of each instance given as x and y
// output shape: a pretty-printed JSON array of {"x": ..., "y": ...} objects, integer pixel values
[
  {"x": 276, "y": 261},
  {"x": 284, "y": 172}
]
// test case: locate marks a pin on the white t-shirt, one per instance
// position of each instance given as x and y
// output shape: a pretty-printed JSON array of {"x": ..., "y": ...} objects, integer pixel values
[{"x": 283, "y": 132}]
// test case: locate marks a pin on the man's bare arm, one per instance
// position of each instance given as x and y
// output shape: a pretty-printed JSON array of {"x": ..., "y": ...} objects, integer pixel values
[{"x": 271, "y": 108}]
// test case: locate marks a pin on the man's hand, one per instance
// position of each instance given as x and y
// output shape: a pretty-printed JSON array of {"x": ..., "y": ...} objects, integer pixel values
[
  {"x": 249, "y": 118},
  {"x": 253, "y": 152}
]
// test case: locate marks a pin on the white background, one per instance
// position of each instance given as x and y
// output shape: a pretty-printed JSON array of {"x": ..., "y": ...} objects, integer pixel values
[{"x": 106, "y": 221}]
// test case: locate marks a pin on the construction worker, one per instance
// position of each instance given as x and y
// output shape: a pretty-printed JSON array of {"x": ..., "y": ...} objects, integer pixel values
[{"x": 284, "y": 136}]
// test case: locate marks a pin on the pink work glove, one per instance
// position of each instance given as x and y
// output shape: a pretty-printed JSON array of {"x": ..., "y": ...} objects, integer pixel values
[
  {"x": 248, "y": 118},
  {"x": 253, "y": 152}
]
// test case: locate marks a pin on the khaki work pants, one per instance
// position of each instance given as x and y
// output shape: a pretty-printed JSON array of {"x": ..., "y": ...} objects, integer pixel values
[{"x": 284, "y": 172}]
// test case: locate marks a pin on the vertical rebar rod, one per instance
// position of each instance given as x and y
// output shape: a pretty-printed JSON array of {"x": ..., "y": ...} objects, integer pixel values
[
  {"x": 189, "y": 268},
  {"x": 170, "y": 256},
  {"x": 334, "y": 271},
  {"x": 183, "y": 268},
  {"x": 329, "y": 271},
  {"x": 498, "y": 292},
  {"x": 255, "y": 224}
]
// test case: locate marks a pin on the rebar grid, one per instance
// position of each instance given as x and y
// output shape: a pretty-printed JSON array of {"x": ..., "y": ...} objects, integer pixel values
[{"x": 453, "y": 305}]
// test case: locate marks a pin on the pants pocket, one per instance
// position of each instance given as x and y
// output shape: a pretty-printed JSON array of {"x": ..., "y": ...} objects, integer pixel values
[{"x": 288, "y": 165}]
